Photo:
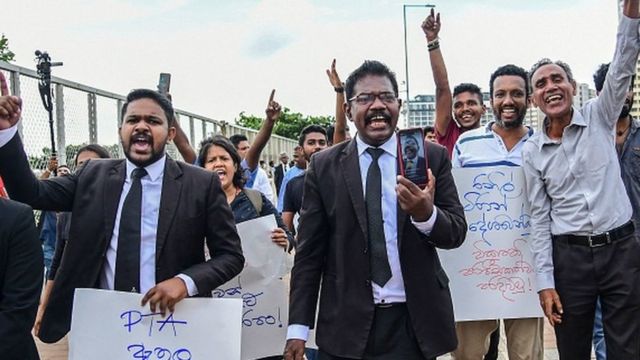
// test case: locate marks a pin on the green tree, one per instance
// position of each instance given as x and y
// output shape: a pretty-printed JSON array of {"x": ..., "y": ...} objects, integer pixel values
[
  {"x": 289, "y": 124},
  {"x": 5, "y": 53}
]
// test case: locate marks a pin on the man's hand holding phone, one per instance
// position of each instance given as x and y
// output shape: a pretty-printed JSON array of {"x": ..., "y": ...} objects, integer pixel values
[{"x": 415, "y": 201}]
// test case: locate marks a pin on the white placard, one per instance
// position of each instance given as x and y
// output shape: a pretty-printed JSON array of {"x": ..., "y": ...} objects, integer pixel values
[
  {"x": 263, "y": 287},
  {"x": 109, "y": 325},
  {"x": 492, "y": 274}
]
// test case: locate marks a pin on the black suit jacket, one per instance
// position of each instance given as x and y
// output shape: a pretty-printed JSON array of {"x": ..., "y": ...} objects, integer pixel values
[
  {"x": 332, "y": 247},
  {"x": 193, "y": 207},
  {"x": 21, "y": 271},
  {"x": 278, "y": 175}
]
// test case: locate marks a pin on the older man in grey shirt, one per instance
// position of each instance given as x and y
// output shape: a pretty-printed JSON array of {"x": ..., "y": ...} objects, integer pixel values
[{"x": 583, "y": 241}]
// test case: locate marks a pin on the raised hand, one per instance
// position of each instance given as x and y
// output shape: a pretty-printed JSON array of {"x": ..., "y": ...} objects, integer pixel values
[
  {"x": 10, "y": 106},
  {"x": 334, "y": 78},
  {"x": 431, "y": 25},
  {"x": 273, "y": 110}
]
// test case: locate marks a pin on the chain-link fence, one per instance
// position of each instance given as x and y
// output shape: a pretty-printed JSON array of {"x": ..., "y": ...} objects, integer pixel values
[{"x": 84, "y": 115}]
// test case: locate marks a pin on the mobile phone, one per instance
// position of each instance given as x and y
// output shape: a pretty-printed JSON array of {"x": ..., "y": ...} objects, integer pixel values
[
  {"x": 164, "y": 83},
  {"x": 412, "y": 156}
]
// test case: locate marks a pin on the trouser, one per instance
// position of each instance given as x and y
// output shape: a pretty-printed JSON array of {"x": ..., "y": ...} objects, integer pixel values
[
  {"x": 391, "y": 337},
  {"x": 610, "y": 272},
  {"x": 524, "y": 338}
]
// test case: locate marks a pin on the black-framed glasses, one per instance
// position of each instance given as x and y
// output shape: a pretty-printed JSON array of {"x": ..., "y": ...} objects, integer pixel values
[{"x": 366, "y": 98}]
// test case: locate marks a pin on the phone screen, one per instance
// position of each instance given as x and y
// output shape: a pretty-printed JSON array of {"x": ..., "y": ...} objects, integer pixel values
[
  {"x": 412, "y": 159},
  {"x": 164, "y": 83}
]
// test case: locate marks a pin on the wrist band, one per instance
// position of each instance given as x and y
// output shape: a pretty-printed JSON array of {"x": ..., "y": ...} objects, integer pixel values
[{"x": 339, "y": 89}]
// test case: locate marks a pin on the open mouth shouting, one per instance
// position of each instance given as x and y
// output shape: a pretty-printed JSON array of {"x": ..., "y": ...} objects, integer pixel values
[
  {"x": 141, "y": 143},
  {"x": 379, "y": 121}
]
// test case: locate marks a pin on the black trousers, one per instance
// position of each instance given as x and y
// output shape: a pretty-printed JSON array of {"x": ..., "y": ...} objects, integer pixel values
[
  {"x": 391, "y": 337},
  {"x": 611, "y": 272}
]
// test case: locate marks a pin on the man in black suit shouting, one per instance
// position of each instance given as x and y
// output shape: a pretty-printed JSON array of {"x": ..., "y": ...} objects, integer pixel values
[
  {"x": 21, "y": 274},
  {"x": 371, "y": 236},
  {"x": 138, "y": 224}
]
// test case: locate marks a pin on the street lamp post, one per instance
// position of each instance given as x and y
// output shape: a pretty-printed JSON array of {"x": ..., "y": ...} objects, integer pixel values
[{"x": 406, "y": 54}]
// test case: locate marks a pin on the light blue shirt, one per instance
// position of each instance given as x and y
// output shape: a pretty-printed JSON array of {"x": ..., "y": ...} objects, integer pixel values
[
  {"x": 573, "y": 184},
  {"x": 290, "y": 174}
]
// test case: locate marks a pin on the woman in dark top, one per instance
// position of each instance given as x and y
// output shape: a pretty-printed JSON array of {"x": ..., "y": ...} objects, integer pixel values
[{"x": 217, "y": 154}]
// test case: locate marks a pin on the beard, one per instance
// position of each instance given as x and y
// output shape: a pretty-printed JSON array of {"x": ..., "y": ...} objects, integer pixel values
[
  {"x": 517, "y": 122},
  {"x": 154, "y": 156}
]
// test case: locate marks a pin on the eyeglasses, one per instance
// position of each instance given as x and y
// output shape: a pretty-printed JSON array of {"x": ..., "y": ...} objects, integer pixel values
[{"x": 366, "y": 99}]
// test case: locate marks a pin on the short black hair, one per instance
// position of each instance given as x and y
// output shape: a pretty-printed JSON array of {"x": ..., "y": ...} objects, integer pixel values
[
  {"x": 158, "y": 98},
  {"x": 236, "y": 139},
  {"x": 546, "y": 61},
  {"x": 468, "y": 87},
  {"x": 311, "y": 129},
  {"x": 99, "y": 150},
  {"x": 64, "y": 166},
  {"x": 429, "y": 128},
  {"x": 369, "y": 67},
  {"x": 221, "y": 141},
  {"x": 512, "y": 70}
]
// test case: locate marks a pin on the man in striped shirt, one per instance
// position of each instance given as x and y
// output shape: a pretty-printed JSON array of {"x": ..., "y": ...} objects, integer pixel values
[{"x": 499, "y": 143}]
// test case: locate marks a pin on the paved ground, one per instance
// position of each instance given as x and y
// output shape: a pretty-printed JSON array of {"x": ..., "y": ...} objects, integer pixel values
[{"x": 59, "y": 350}]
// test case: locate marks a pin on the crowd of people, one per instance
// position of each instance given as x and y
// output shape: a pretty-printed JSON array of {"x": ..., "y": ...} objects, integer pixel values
[{"x": 366, "y": 274}]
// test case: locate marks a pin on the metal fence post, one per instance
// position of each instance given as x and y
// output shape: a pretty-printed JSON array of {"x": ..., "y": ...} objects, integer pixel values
[
  {"x": 192, "y": 132},
  {"x": 15, "y": 91},
  {"x": 119, "y": 117},
  {"x": 93, "y": 118},
  {"x": 60, "y": 131}
]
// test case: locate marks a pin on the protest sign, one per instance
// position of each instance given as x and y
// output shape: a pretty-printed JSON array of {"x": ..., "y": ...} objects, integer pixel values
[
  {"x": 263, "y": 287},
  {"x": 112, "y": 325},
  {"x": 492, "y": 273}
]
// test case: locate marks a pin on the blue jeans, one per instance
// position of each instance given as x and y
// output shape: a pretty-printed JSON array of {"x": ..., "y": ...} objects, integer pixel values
[
  {"x": 311, "y": 354},
  {"x": 598, "y": 334}
]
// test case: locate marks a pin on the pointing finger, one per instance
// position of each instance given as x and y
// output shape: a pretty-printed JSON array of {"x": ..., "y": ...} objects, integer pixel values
[
  {"x": 273, "y": 94},
  {"x": 4, "y": 87}
]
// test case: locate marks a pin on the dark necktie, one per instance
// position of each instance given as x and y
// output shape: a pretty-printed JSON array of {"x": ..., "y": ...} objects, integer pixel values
[
  {"x": 127, "y": 276},
  {"x": 380, "y": 269}
]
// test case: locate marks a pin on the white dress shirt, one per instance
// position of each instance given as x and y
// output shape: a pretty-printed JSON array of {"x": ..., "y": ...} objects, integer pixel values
[
  {"x": 151, "y": 195},
  {"x": 393, "y": 291}
]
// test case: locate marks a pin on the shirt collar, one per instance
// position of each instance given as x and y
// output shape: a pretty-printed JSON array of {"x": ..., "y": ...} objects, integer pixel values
[
  {"x": 154, "y": 170},
  {"x": 576, "y": 119},
  {"x": 390, "y": 146}
]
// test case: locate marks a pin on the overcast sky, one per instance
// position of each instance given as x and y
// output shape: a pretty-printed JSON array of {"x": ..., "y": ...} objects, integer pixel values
[{"x": 225, "y": 56}]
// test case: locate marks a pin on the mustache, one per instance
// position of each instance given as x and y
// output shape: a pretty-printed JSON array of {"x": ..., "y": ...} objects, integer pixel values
[
  {"x": 141, "y": 137},
  {"x": 368, "y": 118}
]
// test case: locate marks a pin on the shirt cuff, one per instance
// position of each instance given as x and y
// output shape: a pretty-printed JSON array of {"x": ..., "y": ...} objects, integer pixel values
[
  {"x": 425, "y": 227},
  {"x": 192, "y": 289},
  {"x": 7, "y": 134},
  {"x": 297, "y": 331},
  {"x": 545, "y": 280}
]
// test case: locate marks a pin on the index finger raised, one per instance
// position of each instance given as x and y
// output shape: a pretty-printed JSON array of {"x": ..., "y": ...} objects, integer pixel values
[
  {"x": 273, "y": 94},
  {"x": 4, "y": 87}
]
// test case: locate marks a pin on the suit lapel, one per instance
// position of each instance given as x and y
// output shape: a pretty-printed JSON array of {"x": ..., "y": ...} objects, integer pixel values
[
  {"x": 351, "y": 171},
  {"x": 169, "y": 197},
  {"x": 113, "y": 186}
]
